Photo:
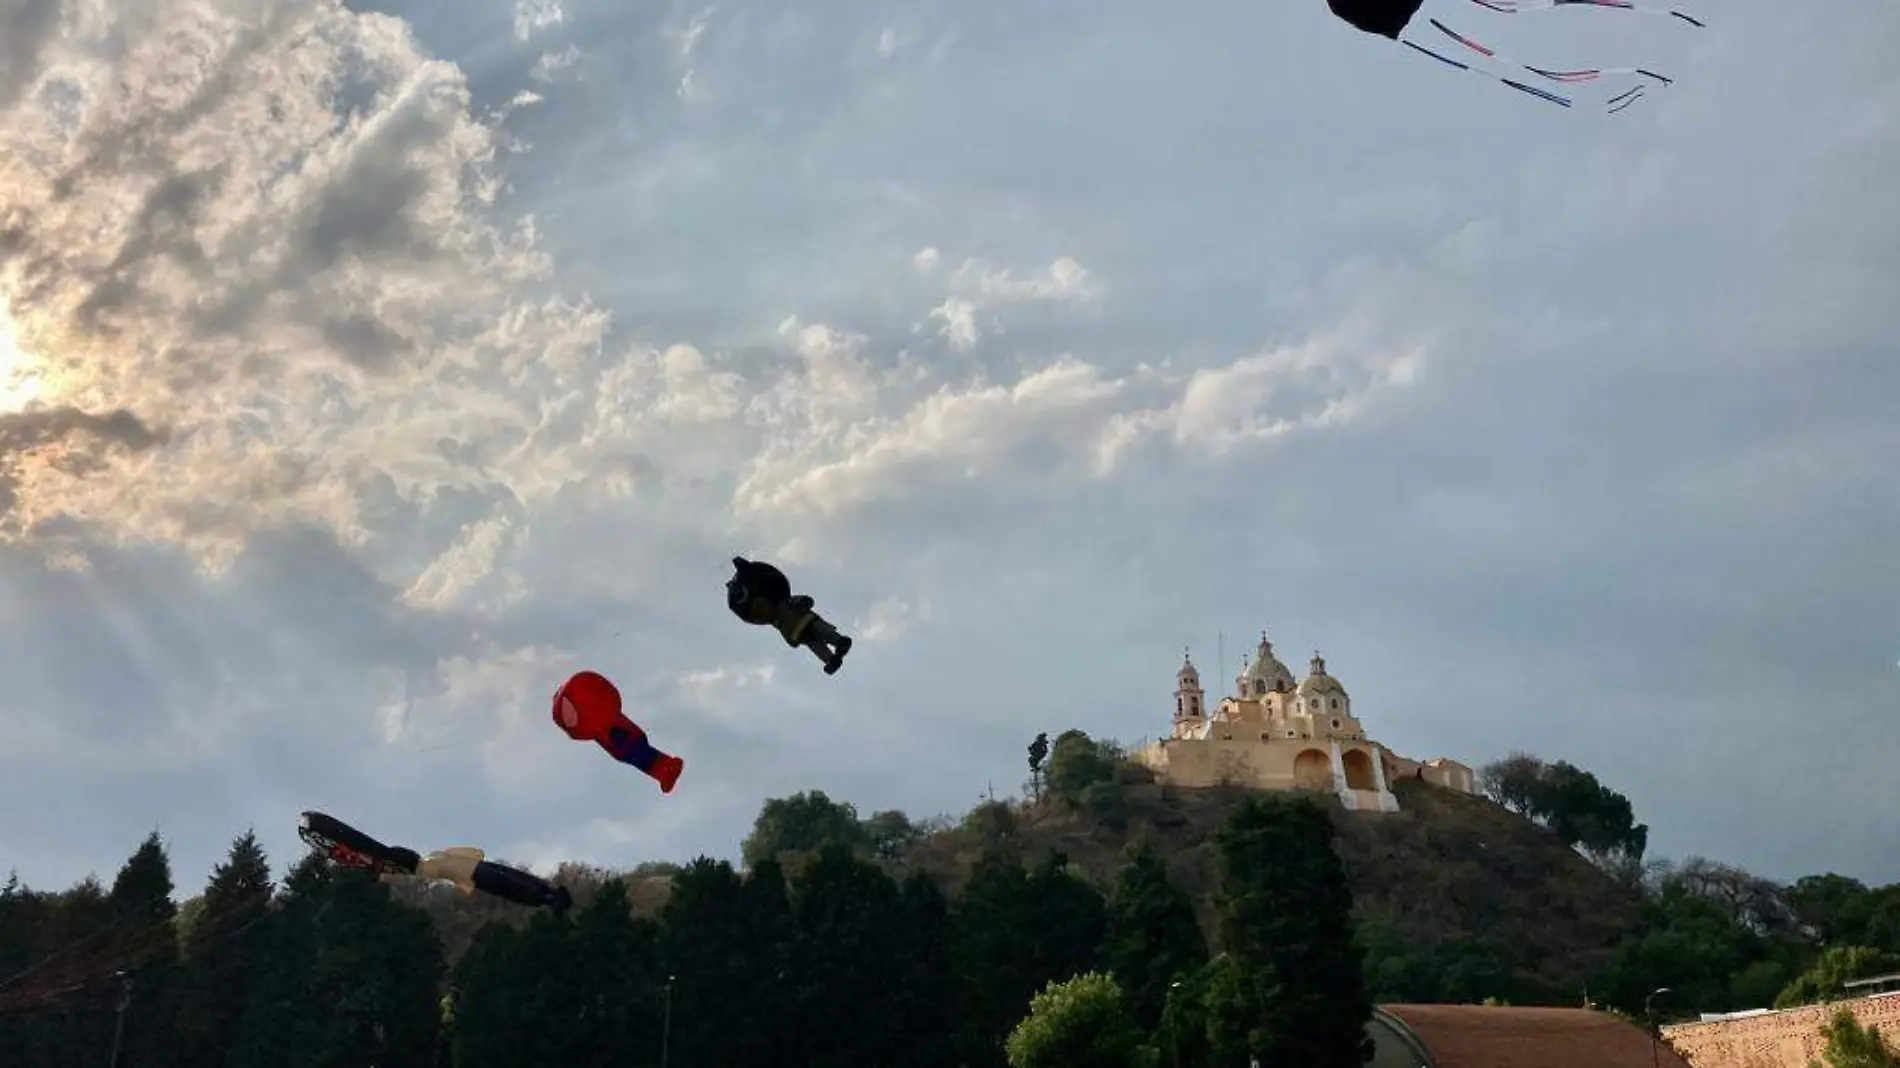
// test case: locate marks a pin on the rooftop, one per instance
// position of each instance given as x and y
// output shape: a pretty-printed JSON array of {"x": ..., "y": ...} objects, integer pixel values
[{"x": 1484, "y": 1036}]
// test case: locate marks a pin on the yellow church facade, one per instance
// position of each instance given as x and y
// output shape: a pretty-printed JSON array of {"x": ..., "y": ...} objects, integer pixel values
[{"x": 1276, "y": 733}]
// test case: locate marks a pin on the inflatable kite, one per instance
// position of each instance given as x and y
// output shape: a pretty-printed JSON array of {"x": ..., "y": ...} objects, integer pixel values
[
  {"x": 759, "y": 594},
  {"x": 462, "y": 865},
  {"x": 1389, "y": 18},
  {"x": 587, "y": 708},
  {"x": 345, "y": 845},
  {"x": 465, "y": 867}
]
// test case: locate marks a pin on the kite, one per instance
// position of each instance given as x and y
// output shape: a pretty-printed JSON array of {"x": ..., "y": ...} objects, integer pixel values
[
  {"x": 1389, "y": 18},
  {"x": 587, "y": 708},
  {"x": 466, "y": 868},
  {"x": 760, "y": 594},
  {"x": 351, "y": 848}
]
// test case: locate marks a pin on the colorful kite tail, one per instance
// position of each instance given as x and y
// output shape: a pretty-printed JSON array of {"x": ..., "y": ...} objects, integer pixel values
[{"x": 1512, "y": 7}]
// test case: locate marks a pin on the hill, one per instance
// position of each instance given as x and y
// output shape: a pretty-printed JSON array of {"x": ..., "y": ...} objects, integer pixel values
[
  {"x": 1448, "y": 876},
  {"x": 1447, "y": 873}
]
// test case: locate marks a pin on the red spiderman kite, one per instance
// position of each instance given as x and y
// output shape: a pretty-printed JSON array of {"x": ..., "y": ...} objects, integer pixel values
[{"x": 587, "y": 708}]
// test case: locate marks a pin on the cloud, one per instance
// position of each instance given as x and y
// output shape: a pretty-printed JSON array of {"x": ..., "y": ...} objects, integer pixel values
[
  {"x": 370, "y": 371},
  {"x": 976, "y": 289},
  {"x": 533, "y": 16},
  {"x": 890, "y": 619}
]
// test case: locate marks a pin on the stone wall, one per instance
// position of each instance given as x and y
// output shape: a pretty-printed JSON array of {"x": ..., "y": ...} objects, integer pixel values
[{"x": 1790, "y": 1039}]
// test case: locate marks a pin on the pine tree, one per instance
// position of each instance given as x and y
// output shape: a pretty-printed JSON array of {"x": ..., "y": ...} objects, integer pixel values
[
  {"x": 147, "y": 952},
  {"x": 1013, "y": 933},
  {"x": 220, "y": 956},
  {"x": 620, "y": 984},
  {"x": 844, "y": 979},
  {"x": 926, "y": 1007},
  {"x": 1290, "y": 987},
  {"x": 1153, "y": 939}
]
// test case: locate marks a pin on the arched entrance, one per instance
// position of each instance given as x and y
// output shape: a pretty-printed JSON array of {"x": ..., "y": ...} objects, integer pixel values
[
  {"x": 1313, "y": 770},
  {"x": 1358, "y": 770}
]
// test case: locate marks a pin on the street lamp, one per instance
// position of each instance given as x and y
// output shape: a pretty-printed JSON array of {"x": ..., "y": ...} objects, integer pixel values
[
  {"x": 1174, "y": 1023},
  {"x": 1655, "y": 1035},
  {"x": 666, "y": 1024},
  {"x": 125, "y": 1000}
]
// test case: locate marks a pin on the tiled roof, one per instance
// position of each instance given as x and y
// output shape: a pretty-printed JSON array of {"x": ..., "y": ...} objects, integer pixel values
[{"x": 1482, "y": 1036}]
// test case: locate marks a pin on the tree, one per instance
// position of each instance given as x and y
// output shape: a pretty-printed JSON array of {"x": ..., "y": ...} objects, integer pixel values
[
  {"x": 147, "y": 950},
  {"x": 1077, "y": 762},
  {"x": 846, "y": 917},
  {"x": 926, "y": 1006},
  {"x": 1759, "y": 904},
  {"x": 1585, "y": 813},
  {"x": 1821, "y": 902},
  {"x": 1572, "y": 803},
  {"x": 799, "y": 824},
  {"x": 724, "y": 938},
  {"x": 616, "y": 983},
  {"x": 1458, "y": 971},
  {"x": 1851, "y": 1044},
  {"x": 1513, "y": 782},
  {"x": 523, "y": 999},
  {"x": 1012, "y": 933},
  {"x": 1832, "y": 971},
  {"x": 1683, "y": 941},
  {"x": 351, "y": 978},
  {"x": 1038, "y": 753},
  {"x": 890, "y": 833},
  {"x": 1082, "y": 1022},
  {"x": 220, "y": 957},
  {"x": 1153, "y": 939},
  {"x": 990, "y": 822},
  {"x": 1290, "y": 988}
]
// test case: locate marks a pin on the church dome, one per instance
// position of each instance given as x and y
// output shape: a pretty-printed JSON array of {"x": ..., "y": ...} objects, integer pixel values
[
  {"x": 1319, "y": 682},
  {"x": 1266, "y": 668},
  {"x": 1189, "y": 676}
]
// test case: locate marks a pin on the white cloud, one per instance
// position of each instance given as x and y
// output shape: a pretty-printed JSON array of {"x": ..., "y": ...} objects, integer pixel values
[
  {"x": 533, "y": 16},
  {"x": 551, "y": 64},
  {"x": 715, "y": 689},
  {"x": 890, "y": 619},
  {"x": 978, "y": 290}
]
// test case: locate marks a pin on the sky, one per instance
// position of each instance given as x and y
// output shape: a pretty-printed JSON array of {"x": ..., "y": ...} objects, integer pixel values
[{"x": 365, "y": 370}]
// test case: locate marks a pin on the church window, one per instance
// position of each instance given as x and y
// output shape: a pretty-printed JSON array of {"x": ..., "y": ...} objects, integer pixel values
[
  {"x": 1335, "y": 702},
  {"x": 1335, "y": 723}
]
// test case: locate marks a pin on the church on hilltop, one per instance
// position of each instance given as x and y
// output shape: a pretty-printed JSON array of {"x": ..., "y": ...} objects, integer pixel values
[{"x": 1278, "y": 734}]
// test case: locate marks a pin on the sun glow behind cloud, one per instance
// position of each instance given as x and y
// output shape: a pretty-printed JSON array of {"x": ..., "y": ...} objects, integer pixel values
[{"x": 21, "y": 379}]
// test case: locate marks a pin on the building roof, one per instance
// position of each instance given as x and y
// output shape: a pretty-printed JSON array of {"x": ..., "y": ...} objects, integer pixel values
[{"x": 1484, "y": 1036}]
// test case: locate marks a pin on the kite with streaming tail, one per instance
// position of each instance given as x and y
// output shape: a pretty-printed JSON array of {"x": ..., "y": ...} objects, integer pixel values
[
  {"x": 587, "y": 708},
  {"x": 1389, "y": 18}
]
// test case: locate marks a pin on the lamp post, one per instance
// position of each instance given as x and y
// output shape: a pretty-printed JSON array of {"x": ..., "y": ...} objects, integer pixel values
[
  {"x": 1174, "y": 1023},
  {"x": 666, "y": 1024},
  {"x": 1655, "y": 1035},
  {"x": 118, "y": 1029}
]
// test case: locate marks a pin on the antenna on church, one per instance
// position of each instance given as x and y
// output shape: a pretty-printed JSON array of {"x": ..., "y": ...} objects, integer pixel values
[{"x": 1223, "y": 649}]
